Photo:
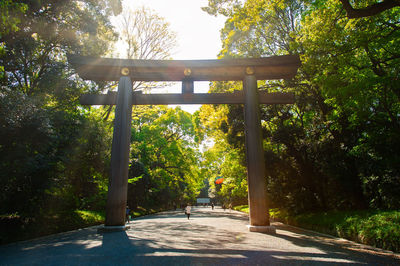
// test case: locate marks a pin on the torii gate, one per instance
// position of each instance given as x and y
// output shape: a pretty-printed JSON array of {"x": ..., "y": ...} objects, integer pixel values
[{"x": 186, "y": 71}]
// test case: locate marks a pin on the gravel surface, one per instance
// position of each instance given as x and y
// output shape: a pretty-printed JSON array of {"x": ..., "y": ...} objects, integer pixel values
[{"x": 210, "y": 237}]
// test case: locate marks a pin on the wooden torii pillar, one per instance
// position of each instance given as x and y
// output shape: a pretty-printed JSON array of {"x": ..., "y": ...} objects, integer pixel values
[{"x": 187, "y": 71}]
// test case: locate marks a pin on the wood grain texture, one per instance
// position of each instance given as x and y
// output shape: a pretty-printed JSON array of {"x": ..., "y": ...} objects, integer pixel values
[
  {"x": 118, "y": 185},
  {"x": 258, "y": 210},
  {"x": 109, "y": 69}
]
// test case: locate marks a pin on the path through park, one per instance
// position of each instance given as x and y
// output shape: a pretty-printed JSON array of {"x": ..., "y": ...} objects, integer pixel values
[{"x": 210, "y": 237}]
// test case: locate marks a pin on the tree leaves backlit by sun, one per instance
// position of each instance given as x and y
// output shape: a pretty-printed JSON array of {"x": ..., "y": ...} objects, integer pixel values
[{"x": 336, "y": 146}]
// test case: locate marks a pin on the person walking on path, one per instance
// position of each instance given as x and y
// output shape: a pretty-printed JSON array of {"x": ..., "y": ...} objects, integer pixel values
[
  {"x": 127, "y": 213},
  {"x": 187, "y": 210},
  {"x": 212, "y": 205}
]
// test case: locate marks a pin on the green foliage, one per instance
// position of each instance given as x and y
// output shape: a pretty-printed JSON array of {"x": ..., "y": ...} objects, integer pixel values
[
  {"x": 91, "y": 217},
  {"x": 50, "y": 156},
  {"x": 279, "y": 215},
  {"x": 35, "y": 57},
  {"x": 15, "y": 227},
  {"x": 27, "y": 151},
  {"x": 223, "y": 7},
  {"x": 336, "y": 147},
  {"x": 165, "y": 157},
  {"x": 54, "y": 154},
  {"x": 377, "y": 228},
  {"x": 275, "y": 214},
  {"x": 11, "y": 13},
  {"x": 262, "y": 28},
  {"x": 221, "y": 159},
  {"x": 358, "y": 58},
  {"x": 242, "y": 208},
  {"x": 135, "y": 179}
]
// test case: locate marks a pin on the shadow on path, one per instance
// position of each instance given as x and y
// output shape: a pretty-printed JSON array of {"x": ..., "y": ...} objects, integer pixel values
[{"x": 211, "y": 237}]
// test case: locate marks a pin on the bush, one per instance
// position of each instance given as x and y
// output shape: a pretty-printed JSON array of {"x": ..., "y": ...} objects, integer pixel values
[
  {"x": 16, "y": 228},
  {"x": 242, "y": 208},
  {"x": 376, "y": 228}
]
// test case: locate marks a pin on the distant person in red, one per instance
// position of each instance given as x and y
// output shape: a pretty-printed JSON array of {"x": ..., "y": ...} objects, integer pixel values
[{"x": 187, "y": 210}]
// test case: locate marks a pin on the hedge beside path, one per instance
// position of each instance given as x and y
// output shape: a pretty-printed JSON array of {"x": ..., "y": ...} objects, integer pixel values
[{"x": 371, "y": 227}]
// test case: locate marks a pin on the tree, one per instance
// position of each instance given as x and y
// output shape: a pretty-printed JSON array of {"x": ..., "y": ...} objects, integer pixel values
[
  {"x": 224, "y": 158},
  {"x": 35, "y": 57},
  {"x": 11, "y": 13},
  {"x": 46, "y": 138},
  {"x": 221, "y": 160},
  {"x": 370, "y": 10},
  {"x": 145, "y": 35},
  {"x": 319, "y": 150},
  {"x": 363, "y": 9},
  {"x": 360, "y": 87},
  {"x": 222, "y": 7},
  {"x": 165, "y": 157},
  {"x": 27, "y": 154},
  {"x": 9, "y": 20},
  {"x": 50, "y": 160}
]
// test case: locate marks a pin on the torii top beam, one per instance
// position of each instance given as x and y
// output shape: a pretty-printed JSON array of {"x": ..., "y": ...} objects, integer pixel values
[{"x": 108, "y": 69}]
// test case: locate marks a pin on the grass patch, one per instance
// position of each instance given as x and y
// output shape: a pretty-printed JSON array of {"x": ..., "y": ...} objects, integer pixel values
[
  {"x": 279, "y": 215},
  {"x": 274, "y": 214},
  {"x": 91, "y": 217},
  {"x": 141, "y": 211},
  {"x": 242, "y": 208},
  {"x": 136, "y": 214},
  {"x": 376, "y": 228}
]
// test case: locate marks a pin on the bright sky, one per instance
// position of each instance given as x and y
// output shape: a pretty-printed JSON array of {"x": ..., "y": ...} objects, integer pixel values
[{"x": 198, "y": 34}]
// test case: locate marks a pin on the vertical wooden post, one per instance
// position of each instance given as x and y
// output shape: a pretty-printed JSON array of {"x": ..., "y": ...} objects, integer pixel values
[
  {"x": 187, "y": 86},
  {"x": 118, "y": 184},
  {"x": 259, "y": 216}
]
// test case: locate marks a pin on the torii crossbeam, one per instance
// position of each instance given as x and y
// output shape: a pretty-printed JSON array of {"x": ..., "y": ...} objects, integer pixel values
[{"x": 186, "y": 71}]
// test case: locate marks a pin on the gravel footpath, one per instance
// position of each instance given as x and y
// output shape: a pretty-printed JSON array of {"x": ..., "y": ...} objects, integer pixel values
[{"x": 210, "y": 237}]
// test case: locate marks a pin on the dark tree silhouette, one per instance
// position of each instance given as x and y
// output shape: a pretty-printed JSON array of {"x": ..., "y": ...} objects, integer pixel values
[{"x": 368, "y": 11}]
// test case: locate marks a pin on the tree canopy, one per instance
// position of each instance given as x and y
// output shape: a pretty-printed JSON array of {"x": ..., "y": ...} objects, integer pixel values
[
  {"x": 335, "y": 147},
  {"x": 165, "y": 145},
  {"x": 55, "y": 154}
]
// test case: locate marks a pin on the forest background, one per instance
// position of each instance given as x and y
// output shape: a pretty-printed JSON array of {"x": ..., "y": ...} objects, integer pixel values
[{"x": 335, "y": 149}]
